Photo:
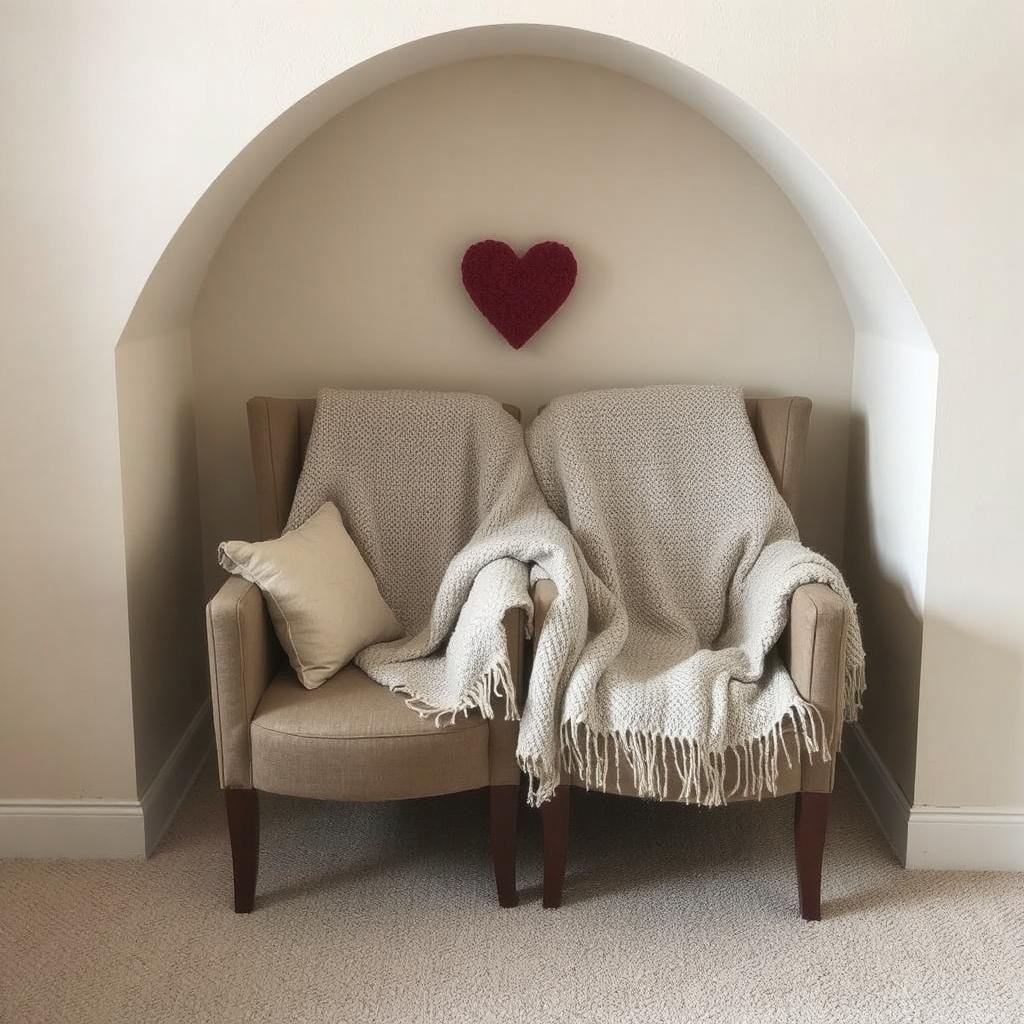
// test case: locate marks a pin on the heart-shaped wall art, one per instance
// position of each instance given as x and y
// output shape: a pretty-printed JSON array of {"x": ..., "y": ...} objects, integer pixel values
[{"x": 518, "y": 294}]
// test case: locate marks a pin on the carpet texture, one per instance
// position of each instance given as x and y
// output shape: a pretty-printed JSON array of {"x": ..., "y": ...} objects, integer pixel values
[{"x": 386, "y": 912}]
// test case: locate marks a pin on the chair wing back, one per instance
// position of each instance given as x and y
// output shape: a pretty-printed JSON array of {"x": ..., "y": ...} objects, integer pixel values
[
  {"x": 780, "y": 426},
  {"x": 278, "y": 434}
]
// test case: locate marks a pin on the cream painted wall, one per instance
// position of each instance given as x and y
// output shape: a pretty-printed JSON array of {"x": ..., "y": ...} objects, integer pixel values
[
  {"x": 65, "y": 682},
  {"x": 124, "y": 114},
  {"x": 162, "y": 544},
  {"x": 344, "y": 267}
]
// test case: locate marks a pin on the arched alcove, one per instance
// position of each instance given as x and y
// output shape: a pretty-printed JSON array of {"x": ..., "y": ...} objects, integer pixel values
[
  {"x": 344, "y": 265},
  {"x": 889, "y": 408}
]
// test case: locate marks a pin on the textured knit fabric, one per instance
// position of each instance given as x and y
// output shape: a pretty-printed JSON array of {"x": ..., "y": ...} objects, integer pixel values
[
  {"x": 438, "y": 494},
  {"x": 668, "y": 497}
]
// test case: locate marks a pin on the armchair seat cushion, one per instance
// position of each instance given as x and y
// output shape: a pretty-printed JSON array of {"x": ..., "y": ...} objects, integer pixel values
[{"x": 353, "y": 739}]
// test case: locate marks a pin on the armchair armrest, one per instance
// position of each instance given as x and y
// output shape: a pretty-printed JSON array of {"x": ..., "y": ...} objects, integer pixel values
[
  {"x": 812, "y": 648},
  {"x": 504, "y": 735},
  {"x": 544, "y": 594},
  {"x": 243, "y": 657}
]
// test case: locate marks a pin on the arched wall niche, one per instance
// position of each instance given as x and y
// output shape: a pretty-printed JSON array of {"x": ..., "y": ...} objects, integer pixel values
[
  {"x": 343, "y": 266},
  {"x": 879, "y": 304},
  {"x": 890, "y": 410}
]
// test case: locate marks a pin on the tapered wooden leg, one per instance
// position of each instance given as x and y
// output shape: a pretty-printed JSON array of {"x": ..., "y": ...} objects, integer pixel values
[
  {"x": 555, "y": 819},
  {"x": 504, "y": 816},
  {"x": 810, "y": 819},
  {"x": 244, "y": 828}
]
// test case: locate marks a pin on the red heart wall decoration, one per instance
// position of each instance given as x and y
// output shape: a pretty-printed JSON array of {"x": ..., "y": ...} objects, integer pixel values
[{"x": 518, "y": 295}]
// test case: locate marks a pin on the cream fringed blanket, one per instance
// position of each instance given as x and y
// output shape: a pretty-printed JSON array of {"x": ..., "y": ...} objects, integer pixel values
[
  {"x": 668, "y": 497},
  {"x": 438, "y": 494}
]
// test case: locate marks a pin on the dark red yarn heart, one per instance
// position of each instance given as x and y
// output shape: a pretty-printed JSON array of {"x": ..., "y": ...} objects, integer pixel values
[{"x": 518, "y": 295}]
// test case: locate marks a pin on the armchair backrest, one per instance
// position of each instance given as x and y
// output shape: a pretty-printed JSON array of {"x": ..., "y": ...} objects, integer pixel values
[
  {"x": 780, "y": 426},
  {"x": 279, "y": 432}
]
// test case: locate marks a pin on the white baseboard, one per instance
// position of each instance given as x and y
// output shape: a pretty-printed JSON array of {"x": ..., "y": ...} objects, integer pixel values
[
  {"x": 966, "y": 839},
  {"x": 934, "y": 838},
  {"x": 94, "y": 829},
  {"x": 72, "y": 828},
  {"x": 165, "y": 793},
  {"x": 881, "y": 792}
]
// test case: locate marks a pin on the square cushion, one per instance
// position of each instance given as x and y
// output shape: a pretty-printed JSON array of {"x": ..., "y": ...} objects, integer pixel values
[{"x": 322, "y": 598}]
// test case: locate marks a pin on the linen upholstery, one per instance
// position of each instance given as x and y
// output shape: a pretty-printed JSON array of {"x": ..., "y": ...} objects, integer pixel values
[
  {"x": 353, "y": 739},
  {"x": 812, "y": 646},
  {"x": 243, "y": 655},
  {"x": 813, "y": 650},
  {"x": 780, "y": 426},
  {"x": 278, "y": 433},
  {"x": 244, "y": 666}
]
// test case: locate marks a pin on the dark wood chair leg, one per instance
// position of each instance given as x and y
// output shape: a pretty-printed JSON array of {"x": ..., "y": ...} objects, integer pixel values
[
  {"x": 243, "y": 808},
  {"x": 504, "y": 815},
  {"x": 555, "y": 819},
  {"x": 810, "y": 819}
]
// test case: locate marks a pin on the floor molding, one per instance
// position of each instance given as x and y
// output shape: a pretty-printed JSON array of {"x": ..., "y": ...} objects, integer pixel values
[
  {"x": 933, "y": 838},
  {"x": 966, "y": 839},
  {"x": 165, "y": 793},
  {"x": 99, "y": 829},
  {"x": 881, "y": 792},
  {"x": 72, "y": 828}
]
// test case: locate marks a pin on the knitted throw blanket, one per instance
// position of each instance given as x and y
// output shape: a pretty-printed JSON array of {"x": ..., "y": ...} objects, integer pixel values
[
  {"x": 438, "y": 494},
  {"x": 666, "y": 493}
]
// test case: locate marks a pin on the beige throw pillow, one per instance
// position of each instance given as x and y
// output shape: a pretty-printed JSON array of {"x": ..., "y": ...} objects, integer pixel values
[{"x": 322, "y": 597}]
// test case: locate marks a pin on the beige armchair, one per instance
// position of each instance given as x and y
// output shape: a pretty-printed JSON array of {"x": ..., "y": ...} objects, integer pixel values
[
  {"x": 350, "y": 739},
  {"x": 812, "y": 648}
]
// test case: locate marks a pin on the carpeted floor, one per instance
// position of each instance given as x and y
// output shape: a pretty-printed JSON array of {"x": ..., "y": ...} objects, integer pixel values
[{"x": 387, "y": 913}]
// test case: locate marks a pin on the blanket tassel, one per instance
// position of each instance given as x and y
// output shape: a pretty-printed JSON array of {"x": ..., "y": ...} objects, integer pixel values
[
  {"x": 493, "y": 684},
  {"x": 683, "y": 769}
]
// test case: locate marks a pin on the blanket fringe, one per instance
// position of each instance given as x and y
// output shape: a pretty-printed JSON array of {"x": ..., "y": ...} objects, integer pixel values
[
  {"x": 541, "y": 779},
  {"x": 494, "y": 683},
  {"x": 682, "y": 769},
  {"x": 854, "y": 678},
  {"x": 687, "y": 770}
]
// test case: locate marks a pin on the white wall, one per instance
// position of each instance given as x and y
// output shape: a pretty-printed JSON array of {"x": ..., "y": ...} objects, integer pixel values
[
  {"x": 344, "y": 267},
  {"x": 65, "y": 683},
  {"x": 124, "y": 114}
]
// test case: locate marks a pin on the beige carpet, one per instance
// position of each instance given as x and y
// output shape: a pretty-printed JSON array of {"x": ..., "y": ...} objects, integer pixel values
[{"x": 387, "y": 913}]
